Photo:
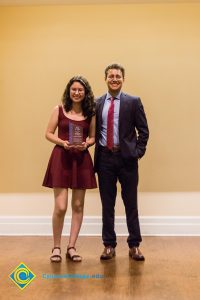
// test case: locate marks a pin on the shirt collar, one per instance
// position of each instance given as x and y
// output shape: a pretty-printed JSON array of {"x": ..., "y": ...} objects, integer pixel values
[{"x": 108, "y": 96}]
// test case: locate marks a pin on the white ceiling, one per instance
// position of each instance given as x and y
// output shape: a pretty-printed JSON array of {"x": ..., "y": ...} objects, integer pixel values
[{"x": 83, "y": 2}]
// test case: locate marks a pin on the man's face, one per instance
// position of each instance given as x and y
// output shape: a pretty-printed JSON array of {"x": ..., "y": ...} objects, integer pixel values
[{"x": 114, "y": 81}]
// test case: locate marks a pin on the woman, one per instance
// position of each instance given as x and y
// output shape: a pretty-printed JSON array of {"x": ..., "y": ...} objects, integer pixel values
[{"x": 70, "y": 165}]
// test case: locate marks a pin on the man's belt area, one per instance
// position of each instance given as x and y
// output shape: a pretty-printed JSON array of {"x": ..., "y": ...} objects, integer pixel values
[{"x": 114, "y": 149}]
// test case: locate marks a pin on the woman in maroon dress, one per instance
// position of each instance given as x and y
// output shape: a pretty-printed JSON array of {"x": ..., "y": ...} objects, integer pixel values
[{"x": 70, "y": 164}]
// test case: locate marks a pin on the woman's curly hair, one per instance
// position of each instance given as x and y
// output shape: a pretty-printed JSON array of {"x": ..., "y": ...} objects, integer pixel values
[{"x": 88, "y": 104}]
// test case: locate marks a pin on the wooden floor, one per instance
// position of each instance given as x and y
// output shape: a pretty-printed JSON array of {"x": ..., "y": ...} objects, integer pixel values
[{"x": 171, "y": 270}]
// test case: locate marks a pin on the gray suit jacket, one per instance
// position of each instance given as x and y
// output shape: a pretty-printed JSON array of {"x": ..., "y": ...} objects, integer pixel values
[{"x": 133, "y": 127}]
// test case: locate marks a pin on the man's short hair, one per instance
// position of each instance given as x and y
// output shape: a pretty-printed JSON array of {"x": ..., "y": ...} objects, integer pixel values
[{"x": 114, "y": 66}]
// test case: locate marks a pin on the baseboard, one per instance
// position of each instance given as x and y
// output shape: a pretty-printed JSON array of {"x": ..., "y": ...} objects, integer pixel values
[{"x": 92, "y": 225}]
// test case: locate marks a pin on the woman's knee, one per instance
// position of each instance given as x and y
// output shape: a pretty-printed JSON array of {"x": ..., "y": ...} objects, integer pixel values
[
  {"x": 77, "y": 207},
  {"x": 60, "y": 210}
]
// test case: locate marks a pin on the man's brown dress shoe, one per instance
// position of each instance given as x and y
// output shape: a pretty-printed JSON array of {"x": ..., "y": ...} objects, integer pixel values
[
  {"x": 108, "y": 253},
  {"x": 136, "y": 254}
]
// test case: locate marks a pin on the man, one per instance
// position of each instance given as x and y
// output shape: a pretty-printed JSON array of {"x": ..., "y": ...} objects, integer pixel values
[{"x": 121, "y": 138}]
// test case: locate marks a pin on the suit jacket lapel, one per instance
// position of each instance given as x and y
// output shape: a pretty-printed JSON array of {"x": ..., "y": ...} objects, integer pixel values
[
  {"x": 121, "y": 111},
  {"x": 100, "y": 110}
]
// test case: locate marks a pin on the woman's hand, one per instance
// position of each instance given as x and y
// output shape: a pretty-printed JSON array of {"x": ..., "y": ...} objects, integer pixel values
[
  {"x": 82, "y": 147},
  {"x": 67, "y": 145}
]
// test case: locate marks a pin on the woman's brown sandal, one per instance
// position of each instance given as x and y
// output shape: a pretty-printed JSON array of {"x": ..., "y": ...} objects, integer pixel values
[
  {"x": 57, "y": 256},
  {"x": 75, "y": 257}
]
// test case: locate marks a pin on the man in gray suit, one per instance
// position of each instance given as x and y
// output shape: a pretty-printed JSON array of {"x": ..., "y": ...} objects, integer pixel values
[{"x": 121, "y": 138}]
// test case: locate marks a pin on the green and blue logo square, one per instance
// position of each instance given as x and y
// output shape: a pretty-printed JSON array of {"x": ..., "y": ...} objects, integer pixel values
[{"x": 22, "y": 276}]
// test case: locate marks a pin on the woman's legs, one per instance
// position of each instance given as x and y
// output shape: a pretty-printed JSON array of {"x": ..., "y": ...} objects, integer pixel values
[
  {"x": 77, "y": 218},
  {"x": 61, "y": 200}
]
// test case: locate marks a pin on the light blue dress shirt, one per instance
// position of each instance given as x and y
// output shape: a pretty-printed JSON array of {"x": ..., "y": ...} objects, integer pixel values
[{"x": 103, "y": 137}]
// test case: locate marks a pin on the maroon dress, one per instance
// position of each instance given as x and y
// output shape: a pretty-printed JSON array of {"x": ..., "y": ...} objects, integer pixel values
[{"x": 70, "y": 168}]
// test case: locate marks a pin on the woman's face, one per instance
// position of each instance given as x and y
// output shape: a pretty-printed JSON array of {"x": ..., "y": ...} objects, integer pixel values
[{"x": 77, "y": 92}]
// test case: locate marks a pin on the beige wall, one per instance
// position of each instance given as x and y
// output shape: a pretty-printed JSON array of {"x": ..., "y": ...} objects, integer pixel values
[{"x": 159, "y": 46}]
